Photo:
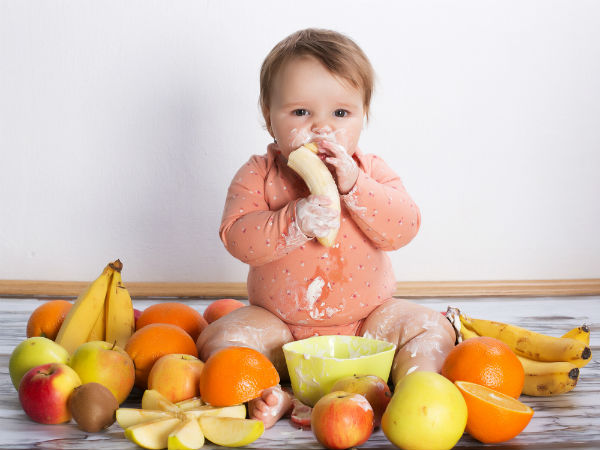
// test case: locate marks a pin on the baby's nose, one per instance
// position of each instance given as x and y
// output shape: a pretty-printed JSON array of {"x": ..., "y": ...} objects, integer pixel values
[{"x": 321, "y": 129}]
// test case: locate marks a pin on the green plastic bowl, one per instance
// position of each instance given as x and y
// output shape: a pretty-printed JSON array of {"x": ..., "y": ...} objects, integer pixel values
[{"x": 316, "y": 363}]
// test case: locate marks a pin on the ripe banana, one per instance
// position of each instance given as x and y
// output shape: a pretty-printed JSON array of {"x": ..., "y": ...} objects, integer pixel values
[
  {"x": 530, "y": 344},
  {"x": 120, "y": 323},
  {"x": 582, "y": 334},
  {"x": 548, "y": 378},
  {"x": 98, "y": 333},
  {"x": 82, "y": 317},
  {"x": 305, "y": 162}
]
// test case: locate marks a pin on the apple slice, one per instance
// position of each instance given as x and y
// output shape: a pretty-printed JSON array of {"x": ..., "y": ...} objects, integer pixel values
[
  {"x": 190, "y": 403},
  {"x": 153, "y": 434},
  {"x": 237, "y": 411},
  {"x": 152, "y": 399},
  {"x": 127, "y": 417},
  {"x": 229, "y": 431},
  {"x": 186, "y": 436}
]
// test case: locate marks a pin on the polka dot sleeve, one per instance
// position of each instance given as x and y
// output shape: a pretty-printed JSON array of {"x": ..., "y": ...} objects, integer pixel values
[
  {"x": 250, "y": 231},
  {"x": 379, "y": 204}
]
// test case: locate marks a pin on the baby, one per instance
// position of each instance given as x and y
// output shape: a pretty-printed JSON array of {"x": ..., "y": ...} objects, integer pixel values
[{"x": 315, "y": 86}]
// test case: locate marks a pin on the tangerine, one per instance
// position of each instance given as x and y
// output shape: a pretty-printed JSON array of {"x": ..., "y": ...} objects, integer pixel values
[
  {"x": 235, "y": 375},
  {"x": 486, "y": 361},
  {"x": 175, "y": 313},
  {"x": 46, "y": 319},
  {"x": 493, "y": 416},
  {"x": 151, "y": 342}
]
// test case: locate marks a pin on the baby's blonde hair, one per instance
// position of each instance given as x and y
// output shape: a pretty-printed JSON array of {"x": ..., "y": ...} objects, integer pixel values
[{"x": 338, "y": 53}]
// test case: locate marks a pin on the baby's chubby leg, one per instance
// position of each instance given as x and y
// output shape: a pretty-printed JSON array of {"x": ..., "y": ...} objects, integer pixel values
[
  {"x": 257, "y": 328},
  {"x": 423, "y": 336}
]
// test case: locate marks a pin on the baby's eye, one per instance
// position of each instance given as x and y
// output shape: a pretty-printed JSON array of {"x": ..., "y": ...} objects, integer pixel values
[
  {"x": 300, "y": 112},
  {"x": 340, "y": 113}
]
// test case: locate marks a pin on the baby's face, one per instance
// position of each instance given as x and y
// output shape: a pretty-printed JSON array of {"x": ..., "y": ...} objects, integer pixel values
[{"x": 309, "y": 103}]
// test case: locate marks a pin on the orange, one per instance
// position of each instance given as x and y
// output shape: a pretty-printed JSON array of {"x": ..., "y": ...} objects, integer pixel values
[
  {"x": 221, "y": 307},
  {"x": 175, "y": 313},
  {"x": 486, "y": 361},
  {"x": 493, "y": 416},
  {"x": 235, "y": 375},
  {"x": 148, "y": 344},
  {"x": 47, "y": 318}
]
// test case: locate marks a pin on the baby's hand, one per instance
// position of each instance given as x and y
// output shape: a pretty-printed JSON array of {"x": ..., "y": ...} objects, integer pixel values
[
  {"x": 315, "y": 218},
  {"x": 346, "y": 169}
]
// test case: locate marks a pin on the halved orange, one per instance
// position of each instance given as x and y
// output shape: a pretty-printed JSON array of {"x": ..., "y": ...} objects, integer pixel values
[{"x": 492, "y": 415}]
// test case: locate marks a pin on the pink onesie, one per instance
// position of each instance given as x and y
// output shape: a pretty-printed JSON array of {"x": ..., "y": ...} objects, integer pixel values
[{"x": 312, "y": 288}]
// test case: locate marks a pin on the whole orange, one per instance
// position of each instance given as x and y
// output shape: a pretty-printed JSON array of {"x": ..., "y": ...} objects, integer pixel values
[
  {"x": 47, "y": 318},
  {"x": 219, "y": 308},
  {"x": 151, "y": 342},
  {"x": 235, "y": 375},
  {"x": 486, "y": 361},
  {"x": 175, "y": 313}
]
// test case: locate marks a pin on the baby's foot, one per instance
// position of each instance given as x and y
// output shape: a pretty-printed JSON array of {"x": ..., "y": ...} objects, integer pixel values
[{"x": 273, "y": 404}]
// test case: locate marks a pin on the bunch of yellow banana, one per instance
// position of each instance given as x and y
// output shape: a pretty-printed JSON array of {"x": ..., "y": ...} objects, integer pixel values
[
  {"x": 551, "y": 363},
  {"x": 103, "y": 312}
]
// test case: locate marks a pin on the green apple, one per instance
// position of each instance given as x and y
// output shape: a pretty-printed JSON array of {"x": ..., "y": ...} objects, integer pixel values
[
  {"x": 427, "y": 412},
  {"x": 33, "y": 352},
  {"x": 152, "y": 434},
  {"x": 107, "y": 364},
  {"x": 186, "y": 436},
  {"x": 229, "y": 431}
]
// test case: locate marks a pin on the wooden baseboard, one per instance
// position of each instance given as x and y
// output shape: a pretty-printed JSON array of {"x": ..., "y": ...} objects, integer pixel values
[{"x": 405, "y": 289}]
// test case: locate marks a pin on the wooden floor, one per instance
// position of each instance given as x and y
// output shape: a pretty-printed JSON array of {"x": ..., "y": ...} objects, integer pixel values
[{"x": 566, "y": 421}]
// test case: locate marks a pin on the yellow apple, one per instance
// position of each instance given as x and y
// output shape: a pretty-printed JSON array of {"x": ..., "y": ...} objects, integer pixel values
[
  {"x": 176, "y": 376},
  {"x": 127, "y": 417},
  {"x": 427, "y": 412},
  {"x": 231, "y": 432},
  {"x": 107, "y": 364},
  {"x": 153, "y": 434},
  {"x": 186, "y": 436}
]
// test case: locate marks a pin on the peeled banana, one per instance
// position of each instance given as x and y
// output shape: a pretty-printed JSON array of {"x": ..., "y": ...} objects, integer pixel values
[
  {"x": 305, "y": 162},
  {"x": 82, "y": 316},
  {"x": 530, "y": 344},
  {"x": 548, "y": 378},
  {"x": 120, "y": 322}
]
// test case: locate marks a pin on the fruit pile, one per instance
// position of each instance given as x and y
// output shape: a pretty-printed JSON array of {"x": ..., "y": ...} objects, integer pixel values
[{"x": 81, "y": 361}]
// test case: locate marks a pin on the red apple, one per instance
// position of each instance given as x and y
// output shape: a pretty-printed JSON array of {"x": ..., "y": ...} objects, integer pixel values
[
  {"x": 107, "y": 364},
  {"x": 219, "y": 308},
  {"x": 45, "y": 390},
  {"x": 373, "y": 388},
  {"x": 136, "y": 314},
  {"x": 342, "y": 420},
  {"x": 176, "y": 376}
]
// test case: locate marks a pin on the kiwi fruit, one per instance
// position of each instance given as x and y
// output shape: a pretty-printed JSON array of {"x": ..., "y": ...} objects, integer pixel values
[{"x": 93, "y": 407}]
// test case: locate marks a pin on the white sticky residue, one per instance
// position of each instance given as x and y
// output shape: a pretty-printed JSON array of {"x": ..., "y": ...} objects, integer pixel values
[
  {"x": 362, "y": 402},
  {"x": 277, "y": 393},
  {"x": 298, "y": 138},
  {"x": 313, "y": 292},
  {"x": 294, "y": 237},
  {"x": 351, "y": 200},
  {"x": 411, "y": 370}
]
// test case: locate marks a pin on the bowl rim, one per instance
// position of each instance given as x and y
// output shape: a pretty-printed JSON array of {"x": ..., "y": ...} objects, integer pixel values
[{"x": 286, "y": 347}]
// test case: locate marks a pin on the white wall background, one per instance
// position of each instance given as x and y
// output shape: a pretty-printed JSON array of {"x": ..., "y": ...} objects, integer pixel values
[{"x": 122, "y": 123}]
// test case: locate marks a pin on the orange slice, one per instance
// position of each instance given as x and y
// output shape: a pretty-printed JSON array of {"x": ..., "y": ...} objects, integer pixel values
[{"x": 493, "y": 416}]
